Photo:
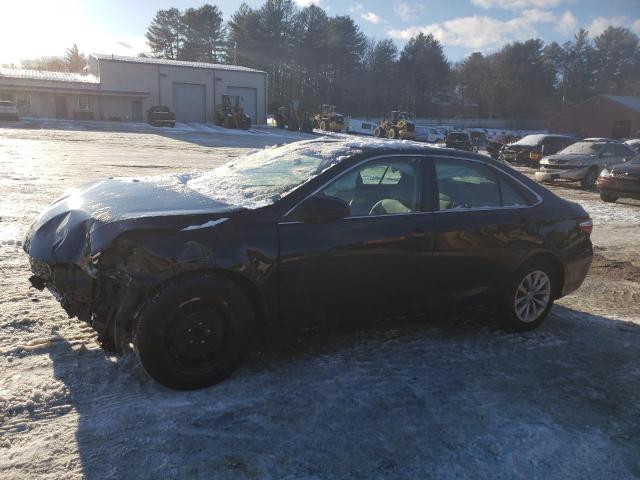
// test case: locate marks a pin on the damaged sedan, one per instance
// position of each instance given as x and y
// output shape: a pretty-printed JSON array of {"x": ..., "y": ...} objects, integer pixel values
[{"x": 190, "y": 270}]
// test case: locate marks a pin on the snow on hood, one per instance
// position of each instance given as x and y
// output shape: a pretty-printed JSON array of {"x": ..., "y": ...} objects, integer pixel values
[{"x": 261, "y": 178}]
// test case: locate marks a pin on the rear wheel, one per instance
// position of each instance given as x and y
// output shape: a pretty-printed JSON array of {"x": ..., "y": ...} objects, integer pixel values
[
  {"x": 378, "y": 132},
  {"x": 393, "y": 133},
  {"x": 589, "y": 180},
  {"x": 193, "y": 332},
  {"x": 608, "y": 198},
  {"x": 324, "y": 125},
  {"x": 529, "y": 295}
]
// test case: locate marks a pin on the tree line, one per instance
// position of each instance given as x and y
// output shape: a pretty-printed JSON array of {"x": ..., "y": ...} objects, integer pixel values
[
  {"x": 319, "y": 58},
  {"x": 327, "y": 59}
]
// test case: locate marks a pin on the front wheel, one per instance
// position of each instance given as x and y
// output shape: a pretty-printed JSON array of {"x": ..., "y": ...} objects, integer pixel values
[
  {"x": 589, "y": 180},
  {"x": 608, "y": 198},
  {"x": 529, "y": 296},
  {"x": 193, "y": 332}
]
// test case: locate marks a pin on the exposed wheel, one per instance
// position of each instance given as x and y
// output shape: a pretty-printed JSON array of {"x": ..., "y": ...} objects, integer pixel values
[
  {"x": 589, "y": 180},
  {"x": 324, "y": 125},
  {"x": 193, "y": 332},
  {"x": 378, "y": 132},
  {"x": 393, "y": 133},
  {"x": 529, "y": 296},
  {"x": 608, "y": 198}
]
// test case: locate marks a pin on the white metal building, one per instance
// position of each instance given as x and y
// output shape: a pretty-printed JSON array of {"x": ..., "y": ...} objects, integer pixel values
[{"x": 123, "y": 88}]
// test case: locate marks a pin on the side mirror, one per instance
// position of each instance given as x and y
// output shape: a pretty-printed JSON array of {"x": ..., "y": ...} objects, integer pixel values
[{"x": 321, "y": 209}]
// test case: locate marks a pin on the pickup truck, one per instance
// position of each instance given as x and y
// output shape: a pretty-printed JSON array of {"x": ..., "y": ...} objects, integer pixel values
[{"x": 8, "y": 110}]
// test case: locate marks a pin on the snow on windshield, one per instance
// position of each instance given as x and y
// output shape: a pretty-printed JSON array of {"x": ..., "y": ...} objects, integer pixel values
[
  {"x": 582, "y": 148},
  {"x": 530, "y": 140},
  {"x": 262, "y": 178}
]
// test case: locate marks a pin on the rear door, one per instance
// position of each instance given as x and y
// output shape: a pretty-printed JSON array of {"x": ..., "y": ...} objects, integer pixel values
[
  {"x": 480, "y": 231},
  {"x": 370, "y": 265},
  {"x": 189, "y": 102}
]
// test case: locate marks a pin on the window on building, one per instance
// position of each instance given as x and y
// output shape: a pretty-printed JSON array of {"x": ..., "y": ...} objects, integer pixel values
[
  {"x": 83, "y": 103},
  {"x": 23, "y": 100}
]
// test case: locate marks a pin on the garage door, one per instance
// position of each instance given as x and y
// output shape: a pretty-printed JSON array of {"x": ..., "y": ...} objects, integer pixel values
[
  {"x": 248, "y": 99},
  {"x": 189, "y": 102}
]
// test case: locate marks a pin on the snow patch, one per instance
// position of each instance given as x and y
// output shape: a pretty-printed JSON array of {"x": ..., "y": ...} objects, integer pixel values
[{"x": 209, "y": 224}]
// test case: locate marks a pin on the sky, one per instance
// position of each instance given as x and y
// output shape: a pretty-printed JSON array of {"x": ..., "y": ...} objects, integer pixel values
[{"x": 46, "y": 27}]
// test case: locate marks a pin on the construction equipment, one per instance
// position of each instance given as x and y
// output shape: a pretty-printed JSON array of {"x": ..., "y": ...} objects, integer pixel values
[
  {"x": 396, "y": 125},
  {"x": 328, "y": 119},
  {"x": 230, "y": 113},
  {"x": 293, "y": 118}
]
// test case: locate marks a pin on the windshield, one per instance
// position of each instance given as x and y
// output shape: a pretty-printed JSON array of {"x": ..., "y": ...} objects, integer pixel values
[
  {"x": 635, "y": 160},
  {"x": 262, "y": 178},
  {"x": 530, "y": 140},
  {"x": 583, "y": 148}
]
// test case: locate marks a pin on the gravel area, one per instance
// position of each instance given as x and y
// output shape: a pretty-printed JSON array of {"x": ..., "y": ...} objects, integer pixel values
[{"x": 443, "y": 399}]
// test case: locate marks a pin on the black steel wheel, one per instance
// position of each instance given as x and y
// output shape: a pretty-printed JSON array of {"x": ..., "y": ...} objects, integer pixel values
[
  {"x": 590, "y": 178},
  {"x": 193, "y": 332},
  {"x": 605, "y": 197}
]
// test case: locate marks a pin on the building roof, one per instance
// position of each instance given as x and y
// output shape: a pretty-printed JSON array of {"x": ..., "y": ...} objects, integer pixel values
[
  {"x": 632, "y": 103},
  {"x": 173, "y": 63},
  {"x": 22, "y": 74}
]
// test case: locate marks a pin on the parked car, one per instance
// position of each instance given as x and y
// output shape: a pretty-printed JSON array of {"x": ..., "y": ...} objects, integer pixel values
[
  {"x": 161, "y": 116},
  {"x": 8, "y": 110},
  {"x": 530, "y": 149},
  {"x": 429, "y": 134},
  {"x": 493, "y": 148},
  {"x": 620, "y": 181},
  {"x": 315, "y": 234},
  {"x": 459, "y": 140},
  {"x": 634, "y": 143},
  {"x": 583, "y": 161}
]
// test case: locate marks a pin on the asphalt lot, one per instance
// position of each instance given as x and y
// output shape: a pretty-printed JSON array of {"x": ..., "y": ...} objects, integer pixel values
[{"x": 455, "y": 399}]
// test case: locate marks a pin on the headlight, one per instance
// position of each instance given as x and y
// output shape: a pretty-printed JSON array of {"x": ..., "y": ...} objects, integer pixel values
[
  {"x": 604, "y": 173},
  {"x": 534, "y": 155}
]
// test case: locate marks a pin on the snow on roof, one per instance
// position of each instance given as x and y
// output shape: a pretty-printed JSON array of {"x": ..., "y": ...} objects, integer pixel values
[
  {"x": 23, "y": 74},
  {"x": 630, "y": 102},
  {"x": 174, "y": 63}
]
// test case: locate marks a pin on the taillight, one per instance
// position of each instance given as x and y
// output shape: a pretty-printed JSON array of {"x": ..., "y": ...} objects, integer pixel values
[{"x": 586, "y": 226}]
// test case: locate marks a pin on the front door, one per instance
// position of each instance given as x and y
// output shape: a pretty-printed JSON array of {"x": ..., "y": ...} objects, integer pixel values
[
  {"x": 61, "y": 107},
  {"x": 136, "y": 110},
  {"x": 370, "y": 265}
]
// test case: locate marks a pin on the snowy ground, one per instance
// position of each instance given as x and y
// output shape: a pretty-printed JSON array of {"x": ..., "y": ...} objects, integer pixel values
[{"x": 448, "y": 400}]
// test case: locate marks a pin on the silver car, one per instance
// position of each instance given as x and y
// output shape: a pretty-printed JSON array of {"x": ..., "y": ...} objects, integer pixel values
[{"x": 583, "y": 161}]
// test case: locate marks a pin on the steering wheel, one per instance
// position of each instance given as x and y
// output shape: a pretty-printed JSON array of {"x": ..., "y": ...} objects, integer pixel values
[{"x": 388, "y": 206}]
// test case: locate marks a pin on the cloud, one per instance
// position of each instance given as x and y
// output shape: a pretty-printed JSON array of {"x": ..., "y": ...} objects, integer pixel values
[
  {"x": 518, "y": 4},
  {"x": 371, "y": 17},
  {"x": 568, "y": 23},
  {"x": 480, "y": 32},
  {"x": 124, "y": 44},
  {"x": 356, "y": 7},
  {"x": 405, "y": 10},
  {"x": 600, "y": 24},
  {"x": 307, "y": 3}
]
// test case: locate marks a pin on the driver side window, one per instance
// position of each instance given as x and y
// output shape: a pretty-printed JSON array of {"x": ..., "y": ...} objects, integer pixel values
[{"x": 384, "y": 186}]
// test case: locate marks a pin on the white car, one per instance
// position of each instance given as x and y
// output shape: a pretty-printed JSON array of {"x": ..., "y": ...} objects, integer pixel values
[
  {"x": 428, "y": 134},
  {"x": 8, "y": 110},
  {"x": 634, "y": 143}
]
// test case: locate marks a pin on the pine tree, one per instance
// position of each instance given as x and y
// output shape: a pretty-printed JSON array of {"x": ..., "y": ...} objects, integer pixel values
[
  {"x": 205, "y": 34},
  {"x": 165, "y": 35},
  {"x": 75, "y": 60}
]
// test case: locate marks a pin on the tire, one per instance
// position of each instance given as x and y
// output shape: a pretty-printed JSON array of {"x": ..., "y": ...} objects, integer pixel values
[
  {"x": 392, "y": 133},
  {"x": 378, "y": 132},
  {"x": 173, "y": 328},
  {"x": 589, "y": 180},
  {"x": 608, "y": 198},
  {"x": 324, "y": 126},
  {"x": 520, "y": 310}
]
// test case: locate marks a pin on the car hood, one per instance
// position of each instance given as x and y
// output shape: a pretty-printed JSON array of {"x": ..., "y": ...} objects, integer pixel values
[
  {"x": 86, "y": 220},
  {"x": 626, "y": 167}
]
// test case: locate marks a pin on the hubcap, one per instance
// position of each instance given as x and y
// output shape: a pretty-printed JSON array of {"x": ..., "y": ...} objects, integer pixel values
[{"x": 532, "y": 296}]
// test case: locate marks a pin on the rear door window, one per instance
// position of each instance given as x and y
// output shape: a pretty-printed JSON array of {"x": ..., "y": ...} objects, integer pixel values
[{"x": 464, "y": 184}]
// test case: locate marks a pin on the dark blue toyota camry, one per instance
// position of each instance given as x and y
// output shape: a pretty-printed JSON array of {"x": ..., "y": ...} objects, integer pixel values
[{"x": 324, "y": 233}]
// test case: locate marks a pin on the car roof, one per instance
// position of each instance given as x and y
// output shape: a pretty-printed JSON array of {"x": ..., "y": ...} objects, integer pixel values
[{"x": 599, "y": 139}]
